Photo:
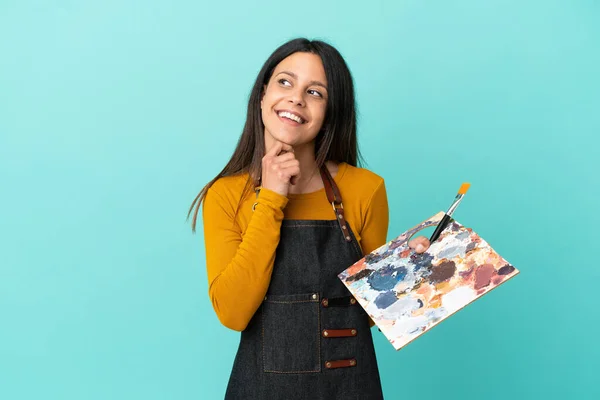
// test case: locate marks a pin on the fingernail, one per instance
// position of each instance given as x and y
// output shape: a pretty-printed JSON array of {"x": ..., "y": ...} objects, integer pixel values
[{"x": 420, "y": 247}]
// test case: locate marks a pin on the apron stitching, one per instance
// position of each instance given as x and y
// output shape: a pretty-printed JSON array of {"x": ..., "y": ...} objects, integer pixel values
[
  {"x": 318, "y": 341},
  {"x": 356, "y": 247},
  {"x": 262, "y": 312},
  {"x": 291, "y": 302},
  {"x": 319, "y": 334},
  {"x": 308, "y": 226},
  {"x": 293, "y": 372}
]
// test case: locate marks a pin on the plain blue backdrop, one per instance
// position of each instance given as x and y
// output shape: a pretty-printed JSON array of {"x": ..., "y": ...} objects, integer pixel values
[{"x": 114, "y": 114}]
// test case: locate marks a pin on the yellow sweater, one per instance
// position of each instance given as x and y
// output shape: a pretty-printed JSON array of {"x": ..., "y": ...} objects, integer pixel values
[{"x": 240, "y": 251}]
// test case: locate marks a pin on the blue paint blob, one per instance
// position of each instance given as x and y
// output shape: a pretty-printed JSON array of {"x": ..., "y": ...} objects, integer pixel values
[
  {"x": 386, "y": 278},
  {"x": 421, "y": 260},
  {"x": 386, "y": 299},
  {"x": 400, "y": 273}
]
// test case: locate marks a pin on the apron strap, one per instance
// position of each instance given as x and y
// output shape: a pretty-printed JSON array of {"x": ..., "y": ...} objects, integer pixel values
[
  {"x": 345, "y": 301},
  {"x": 335, "y": 198}
]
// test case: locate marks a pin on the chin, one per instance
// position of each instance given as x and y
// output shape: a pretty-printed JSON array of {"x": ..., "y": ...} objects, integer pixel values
[
  {"x": 282, "y": 134},
  {"x": 292, "y": 136},
  {"x": 292, "y": 140}
]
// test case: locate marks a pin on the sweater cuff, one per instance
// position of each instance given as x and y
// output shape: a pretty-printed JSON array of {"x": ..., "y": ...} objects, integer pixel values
[{"x": 272, "y": 199}]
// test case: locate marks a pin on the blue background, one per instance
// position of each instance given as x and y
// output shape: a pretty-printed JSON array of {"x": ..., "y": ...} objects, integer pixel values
[{"x": 114, "y": 114}]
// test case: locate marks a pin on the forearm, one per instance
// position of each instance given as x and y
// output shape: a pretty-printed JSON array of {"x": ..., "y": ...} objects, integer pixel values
[{"x": 240, "y": 271}]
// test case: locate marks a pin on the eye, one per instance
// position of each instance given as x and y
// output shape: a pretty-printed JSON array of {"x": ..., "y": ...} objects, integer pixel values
[
  {"x": 315, "y": 93},
  {"x": 284, "y": 82}
]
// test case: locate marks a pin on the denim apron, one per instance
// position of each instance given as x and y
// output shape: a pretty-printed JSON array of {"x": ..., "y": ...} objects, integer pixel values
[{"x": 309, "y": 339}]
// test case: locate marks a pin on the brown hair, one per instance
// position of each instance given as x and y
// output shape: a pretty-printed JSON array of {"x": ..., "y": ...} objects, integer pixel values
[{"x": 339, "y": 123}]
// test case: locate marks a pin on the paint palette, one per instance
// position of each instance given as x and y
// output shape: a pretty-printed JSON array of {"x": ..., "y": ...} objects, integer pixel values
[{"x": 406, "y": 293}]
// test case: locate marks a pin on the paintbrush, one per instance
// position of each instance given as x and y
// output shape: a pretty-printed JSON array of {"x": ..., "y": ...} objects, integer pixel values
[{"x": 448, "y": 216}]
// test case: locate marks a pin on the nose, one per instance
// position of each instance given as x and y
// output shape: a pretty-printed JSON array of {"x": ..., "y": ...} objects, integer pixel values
[{"x": 297, "y": 97}]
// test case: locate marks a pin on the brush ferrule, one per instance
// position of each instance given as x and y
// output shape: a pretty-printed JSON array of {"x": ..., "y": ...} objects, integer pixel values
[{"x": 455, "y": 204}]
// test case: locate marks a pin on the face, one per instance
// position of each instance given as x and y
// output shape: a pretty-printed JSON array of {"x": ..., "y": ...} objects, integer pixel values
[{"x": 294, "y": 101}]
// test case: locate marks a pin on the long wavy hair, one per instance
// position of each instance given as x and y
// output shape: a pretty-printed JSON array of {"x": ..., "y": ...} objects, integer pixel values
[{"x": 336, "y": 140}]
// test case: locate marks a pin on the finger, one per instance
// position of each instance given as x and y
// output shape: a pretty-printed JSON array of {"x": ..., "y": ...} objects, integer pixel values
[
  {"x": 287, "y": 164},
  {"x": 284, "y": 158},
  {"x": 283, "y": 169},
  {"x": 275, "y": 149},
  {"x": 290, "y": 170},
  {"x": 417, "y": 240},
  {"x": 422, "y": 245},
  {"x": 286, "y": 147},
  {"x": 419, "y": 244}
]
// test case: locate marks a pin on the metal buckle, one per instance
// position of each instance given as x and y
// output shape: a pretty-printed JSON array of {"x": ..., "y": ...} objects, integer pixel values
[{"x": 334, "y": 208}]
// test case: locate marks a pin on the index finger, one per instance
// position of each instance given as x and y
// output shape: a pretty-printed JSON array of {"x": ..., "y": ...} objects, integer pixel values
[
  {"x": 286, "y": 147},
  {"x": 275, "y": 149}
]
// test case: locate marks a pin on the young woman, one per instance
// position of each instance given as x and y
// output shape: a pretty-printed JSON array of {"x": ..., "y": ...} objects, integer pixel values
[{"x": 290, "y": 211}]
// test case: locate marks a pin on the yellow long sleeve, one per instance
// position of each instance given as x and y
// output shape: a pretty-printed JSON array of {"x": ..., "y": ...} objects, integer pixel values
[{"x": 240, "y": 249}]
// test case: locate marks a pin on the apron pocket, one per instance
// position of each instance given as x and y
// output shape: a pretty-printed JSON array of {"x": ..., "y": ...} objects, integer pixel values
[{"x": 291, "y": 333}]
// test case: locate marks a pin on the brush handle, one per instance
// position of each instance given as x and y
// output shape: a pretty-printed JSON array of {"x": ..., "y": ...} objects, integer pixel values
[{"x": 441, "y": 226}]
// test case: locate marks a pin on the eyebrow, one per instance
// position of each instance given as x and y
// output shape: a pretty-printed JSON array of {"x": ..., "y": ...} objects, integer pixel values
[{"x": 293, "y": 75}]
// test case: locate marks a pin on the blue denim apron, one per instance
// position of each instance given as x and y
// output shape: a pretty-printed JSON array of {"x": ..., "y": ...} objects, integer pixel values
[{"x": 309, "y": 339}]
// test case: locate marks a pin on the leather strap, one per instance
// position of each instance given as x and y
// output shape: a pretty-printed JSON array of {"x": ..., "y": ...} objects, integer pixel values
[
  {"x": 333, "y": 193},
  {"x": 335, "y": 198},
  {"x": 340, "y": 363},
  {"x": 339, "y": 302},
  {"x": 337, "y": 333}
]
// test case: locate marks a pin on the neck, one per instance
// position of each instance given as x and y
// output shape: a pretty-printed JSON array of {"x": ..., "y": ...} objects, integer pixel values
[{"x": 310, "y": 178}]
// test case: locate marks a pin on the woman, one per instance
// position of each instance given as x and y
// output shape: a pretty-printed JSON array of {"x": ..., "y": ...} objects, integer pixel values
[{"x": 273, "y": 254}]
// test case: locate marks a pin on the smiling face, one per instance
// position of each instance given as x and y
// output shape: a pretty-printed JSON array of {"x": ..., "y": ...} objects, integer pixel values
[{"x": 294, "y": 101}]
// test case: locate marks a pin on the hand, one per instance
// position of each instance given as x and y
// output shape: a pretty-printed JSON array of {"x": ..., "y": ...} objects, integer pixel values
[
  {"x": 420, "y": 244},
  {"x": 280, "y": 168}
]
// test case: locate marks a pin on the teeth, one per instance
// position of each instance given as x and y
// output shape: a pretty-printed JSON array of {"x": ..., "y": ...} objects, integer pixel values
[{"x": 291, "y": 116}]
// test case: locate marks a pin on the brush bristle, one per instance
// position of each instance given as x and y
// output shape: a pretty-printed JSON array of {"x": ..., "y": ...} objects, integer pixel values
[{"x": 463, "y": 189}]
